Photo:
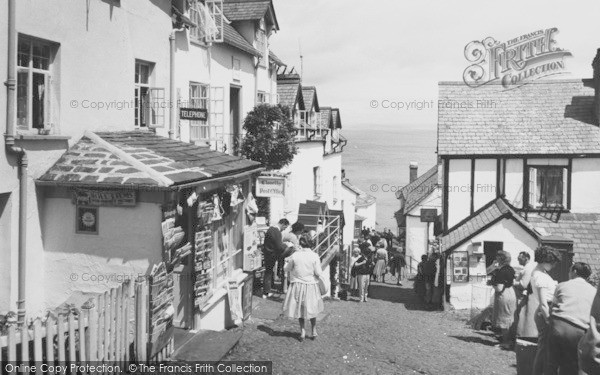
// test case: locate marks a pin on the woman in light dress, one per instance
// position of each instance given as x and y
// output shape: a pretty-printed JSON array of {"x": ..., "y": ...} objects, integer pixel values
[
  {"x": 303, "y": 299},
  {"x": 381, "y": 257}
]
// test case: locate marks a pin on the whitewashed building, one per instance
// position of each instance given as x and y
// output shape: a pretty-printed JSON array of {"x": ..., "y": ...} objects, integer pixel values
[
  {"x": 422, "y": 192},
  {"x": 518, "y": 173}
]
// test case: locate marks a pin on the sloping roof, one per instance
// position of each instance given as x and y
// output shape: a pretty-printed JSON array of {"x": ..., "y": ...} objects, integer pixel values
[
  {"x": 419, "y": 189},
  {"x": 326, "y": 117},
  {"x": 289, "y": 91},
  {"x": 346, "y": 183},
  {"x": 543, "y": 117},
  {"x": 249, "y": 10},
  {"x": 480, "y": 220},
  {"x": 139, "y": 158},
  {"x": 273, "y": 57},
  {"x": 337, "y": 119},
  {"x": 583, "y": 229},
  {"x": 309, "y": 212},
  {"x": 233, "y": 38},
  {"x": 309, "y": 94}
]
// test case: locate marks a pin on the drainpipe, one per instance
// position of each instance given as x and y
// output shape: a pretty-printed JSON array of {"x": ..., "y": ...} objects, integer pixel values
[
  {"x": 19, "y": 152},
  {"x": 172, "y": 112}
]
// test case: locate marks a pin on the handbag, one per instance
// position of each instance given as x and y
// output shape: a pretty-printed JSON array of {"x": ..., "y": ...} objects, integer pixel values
[
  {"x": 323, "y": 287},
  {"x": 588, "y": 349}
]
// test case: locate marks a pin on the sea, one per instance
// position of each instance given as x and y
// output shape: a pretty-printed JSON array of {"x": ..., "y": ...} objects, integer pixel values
[{"x": 377, "y": 159}]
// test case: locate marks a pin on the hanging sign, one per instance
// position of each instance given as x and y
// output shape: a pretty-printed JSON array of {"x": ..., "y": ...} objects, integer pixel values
[
  {"x": 194, "y": 114},
  {"x": 87, "y": 220},
  {"x": 428, "y": 215},
  {"x": 270, "y": 187},
  {"x": 107, "y": 198}
]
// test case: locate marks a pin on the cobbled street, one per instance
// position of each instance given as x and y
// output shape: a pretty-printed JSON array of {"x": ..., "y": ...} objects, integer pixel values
[{"x": 390, "y": 334}]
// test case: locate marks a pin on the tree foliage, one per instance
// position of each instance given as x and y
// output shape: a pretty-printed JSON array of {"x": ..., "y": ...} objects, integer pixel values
[{"x": 269, "y": 136}]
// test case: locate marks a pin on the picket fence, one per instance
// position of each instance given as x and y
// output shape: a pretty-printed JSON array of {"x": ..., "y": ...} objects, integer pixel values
[{"x": 111, "y": 328}]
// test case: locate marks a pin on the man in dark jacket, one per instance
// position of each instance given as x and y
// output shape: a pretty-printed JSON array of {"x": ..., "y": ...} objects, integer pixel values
[{"x": 273, "y": 247}]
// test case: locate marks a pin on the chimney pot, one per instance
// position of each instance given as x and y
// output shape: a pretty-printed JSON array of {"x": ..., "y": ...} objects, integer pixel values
[
  {"x": 414, "y": 167},
  {"x": 596, "y": 70}
]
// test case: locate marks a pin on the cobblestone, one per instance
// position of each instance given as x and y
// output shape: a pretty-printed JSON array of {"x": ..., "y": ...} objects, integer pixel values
[{"x": 390, "y": 334}]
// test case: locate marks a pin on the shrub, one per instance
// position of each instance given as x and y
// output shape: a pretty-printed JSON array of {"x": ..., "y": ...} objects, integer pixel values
[{"x": 269, "y": 136}]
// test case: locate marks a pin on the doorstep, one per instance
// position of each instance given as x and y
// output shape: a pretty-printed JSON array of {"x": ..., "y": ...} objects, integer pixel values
[{"x": 204, "y": 345}]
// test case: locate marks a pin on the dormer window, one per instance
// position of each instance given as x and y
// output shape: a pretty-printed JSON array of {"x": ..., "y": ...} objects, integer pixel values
[
  {"x": 548, "y": 187},
  {"x": 261, "y": 43}
]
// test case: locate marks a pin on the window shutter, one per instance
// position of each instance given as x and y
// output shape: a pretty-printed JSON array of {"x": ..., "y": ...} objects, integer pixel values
[
  {"x": 156, "y": 107},
  {"x": 533, "y": 188},
  {"x": 565, "y": 187},
  {"x": 215, "y": 8},
  {"x": 48, "y": 103},
  {"x": 216, "y": 120}
]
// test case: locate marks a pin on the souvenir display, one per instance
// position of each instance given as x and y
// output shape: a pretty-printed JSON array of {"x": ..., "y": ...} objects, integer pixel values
[
  {"x": 252, "y": 253},
  {"x": 173, "y": 236},
  {"x": 203, "y": 266},
  {"x": 161, "y": 306}
]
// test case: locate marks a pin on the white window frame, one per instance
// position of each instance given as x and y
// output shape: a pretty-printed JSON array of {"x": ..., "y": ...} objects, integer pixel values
[
  {"x": 199, "y": 130},
  {"x": 236, "y": 69},
  {"x": 149, "y": 100},
  {"x": 196, "y": 33},
  {"x": 30, "y": 70},
  {"x": 262, "y": 97},
  {"x": 261, "y": 43},
  {"x": 317, "y": 186},
  {"x": 533, "y": 183},
  {"x": 215, "y": 8},
  {"x": 216, "y": 116}
]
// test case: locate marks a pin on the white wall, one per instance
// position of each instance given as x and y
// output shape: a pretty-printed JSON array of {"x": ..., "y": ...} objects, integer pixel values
[
  {"x": 349, "y": 207},
  {"x": 513, "y": 185},
  {"x": 369, "y": 213},
  {"x": 485, "y": 182},
  {"x": 332, "y": 179},
  {"x": 417, "y": 236},
  {"x": 128, "y": 244},
  {"x": 515, "y": 239},
  {"x": 459, "y": 190},
  {"x": 584, "y": 184}
]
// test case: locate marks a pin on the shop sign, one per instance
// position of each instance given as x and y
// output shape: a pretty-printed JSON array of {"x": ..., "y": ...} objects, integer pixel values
[
  {"x": 270, "y": 187},
  {"x": 194, "y": 114},
  {"x": 105, "y": 198},
  {"x": 235, "y": 303},
  {"x": 87, "y": 220},
  {"x": 428, "y": 215}
]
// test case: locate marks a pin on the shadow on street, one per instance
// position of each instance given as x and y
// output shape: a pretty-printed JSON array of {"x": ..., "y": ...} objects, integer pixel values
[{"x": 397, "y": 294}]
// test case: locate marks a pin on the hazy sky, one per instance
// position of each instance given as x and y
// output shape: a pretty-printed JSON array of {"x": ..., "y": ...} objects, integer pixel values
[{"x": 398, "y": 50}]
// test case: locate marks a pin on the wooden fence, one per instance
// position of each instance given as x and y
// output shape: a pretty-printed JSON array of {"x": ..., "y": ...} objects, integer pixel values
[{"x": 111, "y": 328}]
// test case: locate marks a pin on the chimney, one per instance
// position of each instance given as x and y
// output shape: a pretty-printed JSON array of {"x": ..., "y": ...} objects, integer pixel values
[
  {"x": 596, "y": 69},
  {"x": 413, "y": 170}
]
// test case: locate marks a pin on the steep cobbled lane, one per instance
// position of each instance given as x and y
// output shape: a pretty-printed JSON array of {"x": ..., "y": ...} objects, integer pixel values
[{"x": 390, "y": 334}]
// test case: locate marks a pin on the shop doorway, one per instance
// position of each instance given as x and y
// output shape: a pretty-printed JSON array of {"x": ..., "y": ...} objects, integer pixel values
[
  {"x": 183, "y": 296},
  {"x": 234, "y": 119},
  {"x": 490, "y": 249}
]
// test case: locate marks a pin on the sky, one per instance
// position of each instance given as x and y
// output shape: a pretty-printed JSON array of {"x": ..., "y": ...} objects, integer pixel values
[{"x": 359, "y": 52}]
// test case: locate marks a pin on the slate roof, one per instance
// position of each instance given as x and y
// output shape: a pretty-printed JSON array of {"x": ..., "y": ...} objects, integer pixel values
[
  {"x": 413, "y": 193},
  {"x": 543, "y": 117},
  {"x": 233, "y": 38},
  {"x": 340, "y": 214},
  {"x": 248, "y": 10},
  {"x": 346, "y": 183},
  {"x": 337, "y": 119},
  {"x": 309, "y": 94},
  {"x": 139, "y": 158},
  {"x": 482, "y": 219},
  {"x": 273, "y": 57},
  {"x": 289, "y": 91},
  {"x": 326, "y": 117},
  {"x": 583, "y": 229},
  {"x": 309, "y": 212}
]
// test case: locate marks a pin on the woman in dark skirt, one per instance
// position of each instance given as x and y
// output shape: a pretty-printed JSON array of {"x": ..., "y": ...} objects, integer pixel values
[
  {"x": 505, "y": 300},
  {"x": 420, "y": 279}
]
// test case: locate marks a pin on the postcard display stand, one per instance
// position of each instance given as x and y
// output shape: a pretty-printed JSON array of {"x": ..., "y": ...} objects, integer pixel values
[
  {"x": 161, "y": 309},
  {"x": 204, "y": 252}
]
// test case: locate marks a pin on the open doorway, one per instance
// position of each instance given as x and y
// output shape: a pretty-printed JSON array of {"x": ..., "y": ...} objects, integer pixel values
[
  {"x": 234, "y": 118},
  {"x": 490, "y": 249}
]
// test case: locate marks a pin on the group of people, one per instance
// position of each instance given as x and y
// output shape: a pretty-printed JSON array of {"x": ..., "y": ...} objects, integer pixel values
[
  {"x": 294, "y": 253},
  {"x": 372, "y": 260},
  {"x": 531, "y": 303},
  {"x": 428, "y": 283}
]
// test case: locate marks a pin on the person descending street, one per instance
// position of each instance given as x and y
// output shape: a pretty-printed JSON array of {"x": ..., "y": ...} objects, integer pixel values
[
  {"x": 303, "y": 299},
  {"x": 527, "y": 300},
  {"x": 419, "y": 284},
  {"x": 363, "y": 266},
  {"x": 273, "y": 248},
  {"x": 543, "y": 285},
  {"x": 354, "y": 271},
  {"x": 429, "y": 271},
  {"x": 569, "y": 320},
  {"x": 381, "y": 261},
  {"x": 505, "y": 301}
]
